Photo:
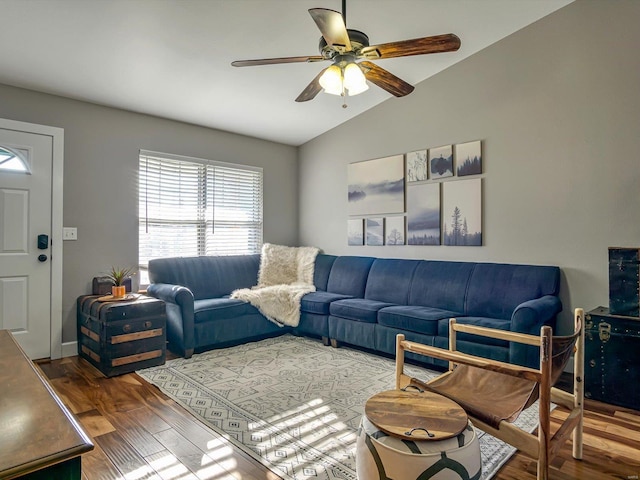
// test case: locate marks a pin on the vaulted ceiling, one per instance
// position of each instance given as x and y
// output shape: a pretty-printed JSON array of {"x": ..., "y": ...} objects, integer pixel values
[{"x": 172, "y": 58}]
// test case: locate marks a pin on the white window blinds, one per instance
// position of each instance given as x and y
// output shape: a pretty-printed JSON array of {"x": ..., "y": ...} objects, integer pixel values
[{"x": 192, "y": 207}]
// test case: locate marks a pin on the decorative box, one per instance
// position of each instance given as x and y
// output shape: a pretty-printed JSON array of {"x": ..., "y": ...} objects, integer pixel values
[
  {"x": 121, "y": 336},
  {"x": 624, "y": 281},
  {"x": 102, "y": 285}
]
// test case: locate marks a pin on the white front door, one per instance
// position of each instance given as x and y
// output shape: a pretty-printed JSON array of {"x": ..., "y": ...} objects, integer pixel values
[{"x": 26, "y": 161}]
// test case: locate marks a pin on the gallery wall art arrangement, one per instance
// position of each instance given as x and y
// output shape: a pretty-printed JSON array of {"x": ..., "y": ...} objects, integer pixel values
[{"x": 424, "y": 197}]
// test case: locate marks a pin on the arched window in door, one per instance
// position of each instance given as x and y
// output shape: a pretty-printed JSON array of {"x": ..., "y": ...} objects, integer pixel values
[{"x": 12, "y": 159}]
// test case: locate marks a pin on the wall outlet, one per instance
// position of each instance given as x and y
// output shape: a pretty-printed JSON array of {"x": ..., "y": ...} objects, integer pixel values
[{"x": 69, "y": 233}]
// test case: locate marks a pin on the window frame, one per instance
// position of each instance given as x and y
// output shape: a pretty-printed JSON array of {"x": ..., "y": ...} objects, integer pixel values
[{"x": 202, "y": 223}]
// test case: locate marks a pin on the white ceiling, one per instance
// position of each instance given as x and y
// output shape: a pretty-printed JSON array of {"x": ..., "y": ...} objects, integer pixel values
[{"x": 171, "y": 58}]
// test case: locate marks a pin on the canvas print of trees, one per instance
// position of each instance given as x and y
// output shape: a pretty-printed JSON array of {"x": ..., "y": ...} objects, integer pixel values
[
  {"x": 355, "y": 231},
  {"x": 375, "y": 231},
  {"x": 417, "y": 166},
  {"x": 441, "y": 162},
  {"x": 423, "y": 214},
  {"x": 468, "y": 158},
  {"x": 394, "y": 230},
  {"x": 376, "y": 186},
  {"x": 462, "y": 212}
]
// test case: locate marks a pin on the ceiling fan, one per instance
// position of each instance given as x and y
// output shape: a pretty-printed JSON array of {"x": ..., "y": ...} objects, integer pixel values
[{"x": 350, "y": 52}]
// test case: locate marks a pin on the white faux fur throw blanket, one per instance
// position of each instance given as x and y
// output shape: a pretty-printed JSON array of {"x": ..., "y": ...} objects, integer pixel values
[{"x": 285, "y": 276}]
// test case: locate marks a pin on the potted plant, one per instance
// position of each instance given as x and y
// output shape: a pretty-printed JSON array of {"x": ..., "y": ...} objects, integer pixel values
[{"x": 118, "y": 275}]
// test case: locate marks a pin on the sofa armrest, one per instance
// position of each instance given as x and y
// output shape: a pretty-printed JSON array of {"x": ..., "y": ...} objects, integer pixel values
[
  {"x": 170, "y": 293},
  {"x": 532, "y": 315},
  {"x": 529, "y": 317},
  {"x": 180, "y": 316}
]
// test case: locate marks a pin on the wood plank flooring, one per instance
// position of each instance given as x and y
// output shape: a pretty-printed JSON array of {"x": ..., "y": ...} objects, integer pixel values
[{"x": 140, "y": 433}]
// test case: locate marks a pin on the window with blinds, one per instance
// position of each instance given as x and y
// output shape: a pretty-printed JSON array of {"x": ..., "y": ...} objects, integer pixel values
[{"x": 191, "y": 207}]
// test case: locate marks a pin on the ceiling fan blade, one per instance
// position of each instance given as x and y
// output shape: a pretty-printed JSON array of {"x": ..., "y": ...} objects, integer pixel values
[
  {"x": 332, "y": 27},
  {"x": 418, "y": 46},
  {"x": 275, "y": 61},
  {"x": 385, "y": 80},
  {"x": 311, "y": 90}
]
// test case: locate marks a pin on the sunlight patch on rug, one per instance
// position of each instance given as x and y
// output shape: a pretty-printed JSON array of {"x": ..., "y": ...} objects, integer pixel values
[{"x": 294, "y": 404}]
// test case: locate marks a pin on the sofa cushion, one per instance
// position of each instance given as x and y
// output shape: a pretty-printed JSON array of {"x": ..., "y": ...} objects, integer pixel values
[
  {"x": 415, "y": 319},
  {"x": 385, "y": 272},
  {"x": 349, "y": 275},
  {"x": 212, "y": 309},
  {"x": 495, "y": 290},
  {"x": 322, "y": 270},
  {"x": 207, "y": 277},
  {"x": 318, "y": 302},
  {"x": 358, "y": 309},
  {"x": 385, "y": 341},
  {"x": 443, "y": 330},
  {"x": 440, "y": 285}
]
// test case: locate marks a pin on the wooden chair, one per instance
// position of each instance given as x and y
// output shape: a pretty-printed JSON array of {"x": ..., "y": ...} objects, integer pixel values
[{"x": 494, "y": 393}]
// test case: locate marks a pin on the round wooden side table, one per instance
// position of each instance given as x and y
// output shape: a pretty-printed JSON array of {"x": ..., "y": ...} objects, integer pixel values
[{"x": 411, "y": 434}]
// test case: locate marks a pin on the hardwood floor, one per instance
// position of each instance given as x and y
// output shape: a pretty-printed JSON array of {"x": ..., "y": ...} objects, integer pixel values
[{"x": 139, "y": 433}]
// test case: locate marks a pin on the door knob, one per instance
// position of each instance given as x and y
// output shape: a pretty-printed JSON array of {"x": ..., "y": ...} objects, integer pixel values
[{"x": 42, "y": 258}]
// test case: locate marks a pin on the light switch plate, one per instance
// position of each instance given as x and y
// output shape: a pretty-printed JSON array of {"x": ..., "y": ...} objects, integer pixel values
[{"x": 69, "y": 233}]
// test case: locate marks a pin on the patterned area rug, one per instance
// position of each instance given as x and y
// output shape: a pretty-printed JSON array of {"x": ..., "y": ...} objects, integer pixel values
[{"x": 294, "y": 404}]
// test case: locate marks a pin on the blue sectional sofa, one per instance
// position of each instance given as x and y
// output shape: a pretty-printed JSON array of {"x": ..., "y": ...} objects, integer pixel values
[{"x": 361, "y": 301}]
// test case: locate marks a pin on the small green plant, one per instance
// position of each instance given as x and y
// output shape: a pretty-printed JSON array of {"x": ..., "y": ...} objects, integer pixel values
[{"x": 118, "y": 275}]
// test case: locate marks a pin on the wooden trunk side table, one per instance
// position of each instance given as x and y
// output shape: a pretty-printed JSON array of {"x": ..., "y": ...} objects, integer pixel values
[
  {"x": 40, "y": 438},
  {"x": 122, "y": 336}
]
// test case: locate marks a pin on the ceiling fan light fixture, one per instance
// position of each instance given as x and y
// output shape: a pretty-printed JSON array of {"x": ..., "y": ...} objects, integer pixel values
[
  {"x": 354, "y": 80},
  {"x": 331, "y": 80}
]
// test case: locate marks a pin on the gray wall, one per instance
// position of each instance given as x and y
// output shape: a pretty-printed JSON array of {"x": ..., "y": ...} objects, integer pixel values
[
  {"x": 557, "y": 106},
  {"x": 100, "y": 179}
]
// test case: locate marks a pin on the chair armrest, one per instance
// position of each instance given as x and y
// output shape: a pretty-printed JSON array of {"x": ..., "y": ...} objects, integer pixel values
[
  {"x": 180, "y": 315},
  {"x": 529, "y": 317},
  {"x": 472, "y": 360}
]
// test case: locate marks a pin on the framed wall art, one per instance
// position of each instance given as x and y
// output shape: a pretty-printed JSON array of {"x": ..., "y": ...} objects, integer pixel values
[
  {"x": 423, "y": 214},
  {"x": 468, "y": 158},
  {"x": 462, "y": 212},
  {"x": 441, "y": 162},
  {"x": 355, "y": 231},
  {"x": 375, "y": 231},
  {"x": 394, "y": 228},
  {"x": 417, "y": 166},
  {"x": 376, "y": 186}
]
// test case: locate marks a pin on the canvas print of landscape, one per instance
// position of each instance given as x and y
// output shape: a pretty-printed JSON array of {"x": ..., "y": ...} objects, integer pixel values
[
  {"x": 417, "y": 166},
  {"x": 423, "y": 214},
  {"x": 375, "y": 231},
  {"x": 376, "y": 186},
  {"x": 468, "y": 159},
  {"x": 395, "y": 231},
  {"x": 355, "y": 231},
  {"x": 462, "y": 212},
  {"x": 441, "y": 162}
]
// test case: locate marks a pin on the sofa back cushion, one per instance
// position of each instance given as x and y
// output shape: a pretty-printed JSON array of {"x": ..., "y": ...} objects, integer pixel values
[
  {"x": 495, "y": 290},
  {"x": 389, "y": 280},
  {"x": 207, "y": 277},
  {"x": 440, "y": 285},
  {"x": 322, "y": 271},
  {"x": 349, "y": 275}
]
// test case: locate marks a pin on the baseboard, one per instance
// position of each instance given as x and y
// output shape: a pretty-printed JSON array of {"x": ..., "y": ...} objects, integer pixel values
[{"x": 69, "y": 349}]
